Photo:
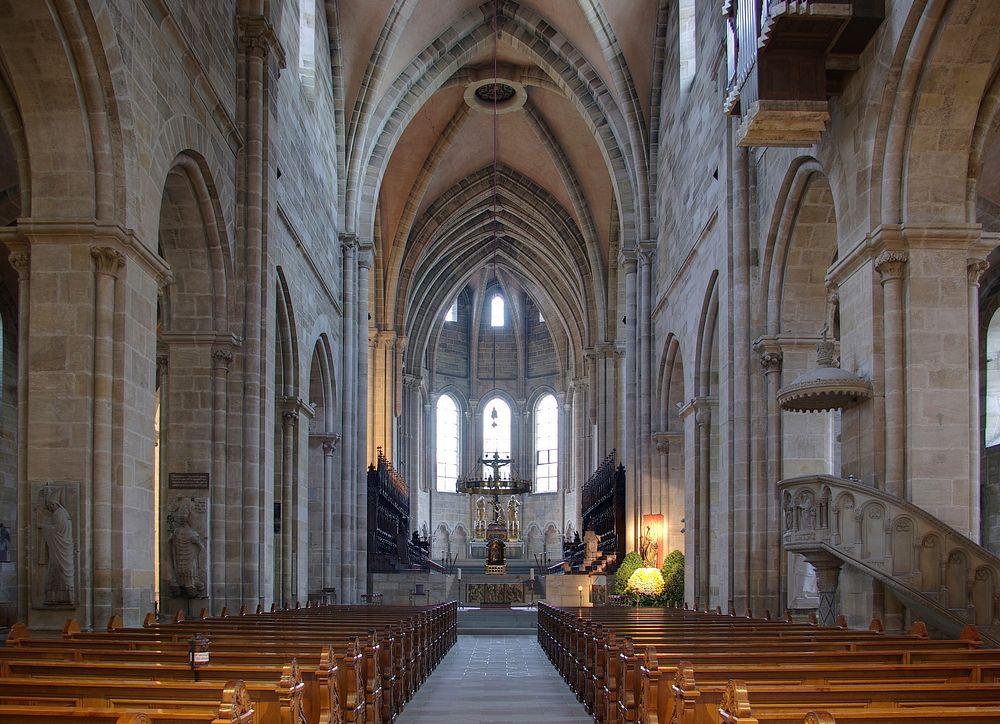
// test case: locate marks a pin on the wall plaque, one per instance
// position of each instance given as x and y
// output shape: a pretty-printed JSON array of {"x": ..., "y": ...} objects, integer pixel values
[{"x": 188, "y": 481}]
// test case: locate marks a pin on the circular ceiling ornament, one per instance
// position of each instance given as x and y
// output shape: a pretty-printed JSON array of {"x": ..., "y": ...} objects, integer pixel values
[
  {"x": 495, "y": 92},
  {"x": 505, "y": 94}
]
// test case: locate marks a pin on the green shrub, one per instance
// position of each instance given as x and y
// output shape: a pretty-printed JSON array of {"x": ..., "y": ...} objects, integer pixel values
[
  {"x": 673, "y": 577},
  {"x": 628, "y": 565}
]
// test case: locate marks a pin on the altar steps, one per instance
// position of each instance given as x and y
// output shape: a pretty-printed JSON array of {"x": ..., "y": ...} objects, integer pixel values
[{"x": 498, "y": 622}]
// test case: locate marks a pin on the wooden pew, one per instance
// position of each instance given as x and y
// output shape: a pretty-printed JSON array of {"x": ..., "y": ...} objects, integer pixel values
[
  {"x": 736, "y": 709},
  {"x": 236, "y": 707},
  {"x": 610, "y": 658}
]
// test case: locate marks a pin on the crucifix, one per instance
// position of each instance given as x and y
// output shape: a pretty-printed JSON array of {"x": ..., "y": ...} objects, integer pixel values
[{"x": 495, "y": 463}]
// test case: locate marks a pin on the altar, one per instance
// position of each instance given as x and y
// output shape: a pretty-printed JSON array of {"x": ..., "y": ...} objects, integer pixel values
[{"x": 488, "y": 595}]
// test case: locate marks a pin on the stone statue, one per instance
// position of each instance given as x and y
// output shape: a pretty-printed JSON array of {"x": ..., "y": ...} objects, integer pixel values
[
  {"x": 498, "y": 514},
  {"x": 479, "y": 530},
  {"x": 57, "y": 531},
  {"x": 513, "y": 519},
  {"x": 648, "y": 548},
  {"x": 590, "y": 543},
  {"x": 4, "y": 543},
  {"x": 186, "y": 548}
]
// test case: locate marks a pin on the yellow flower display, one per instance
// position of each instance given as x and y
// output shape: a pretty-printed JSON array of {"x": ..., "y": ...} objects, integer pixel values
[{"x": 645, "y": 582}]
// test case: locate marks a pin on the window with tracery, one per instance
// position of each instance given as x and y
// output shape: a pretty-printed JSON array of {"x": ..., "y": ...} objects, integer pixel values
[
  {"x": 497, "y": 311},
  {"x": 546, "y": 444},
  {"x": 447, "y": 443},
  {"x": 992, "y": 402},
  {"x": 496, "y": 434}
]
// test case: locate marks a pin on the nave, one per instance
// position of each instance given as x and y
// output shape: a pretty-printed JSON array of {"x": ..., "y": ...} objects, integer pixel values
[{"x": 494, "y": 679}]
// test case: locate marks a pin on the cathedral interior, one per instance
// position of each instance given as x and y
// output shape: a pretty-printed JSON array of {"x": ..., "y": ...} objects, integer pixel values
[{"x": 737, "y": 257}]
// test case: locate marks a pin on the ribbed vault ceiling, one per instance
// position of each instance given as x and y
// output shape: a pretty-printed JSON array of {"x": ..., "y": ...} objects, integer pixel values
[{"x": 573, "y": 159}]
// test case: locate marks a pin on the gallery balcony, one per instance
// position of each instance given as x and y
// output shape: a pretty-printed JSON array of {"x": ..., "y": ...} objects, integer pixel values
[{"x": 787, "y": 58}]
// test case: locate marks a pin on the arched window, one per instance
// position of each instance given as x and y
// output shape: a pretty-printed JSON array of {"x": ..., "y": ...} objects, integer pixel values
[
  {"x": 447, "y": 444},
  {"x": 686, "y": 42},
  {"x": 452, "y": 315},
  {"x": 546, "y": 444},
  {"x": 496, "y": 311},
  {"x": 496, "y": 434},
  {"x": 993, "y": 381},
  {"x": 307, "y": 42}
]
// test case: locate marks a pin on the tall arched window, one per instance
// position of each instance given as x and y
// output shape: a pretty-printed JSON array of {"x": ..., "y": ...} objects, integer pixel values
[
  {"x": 686, "y": 42},
  {"x": 496, "y": 434},
  {"x": 992, "y": 402},
  {"x": 447, "y": 444},
  {"x": 546, "y": 444},
  {"x": 496, "y": 311},
  {"x": 307, "y": 42}
]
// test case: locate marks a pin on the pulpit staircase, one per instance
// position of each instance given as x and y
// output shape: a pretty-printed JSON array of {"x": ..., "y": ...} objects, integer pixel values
[
  {"x": 603, "y": 564},
  {"x": 941, "y": 575}
]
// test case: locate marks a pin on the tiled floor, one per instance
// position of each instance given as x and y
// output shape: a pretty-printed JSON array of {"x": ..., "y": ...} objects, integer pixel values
[{"x": 495, "y": 680}]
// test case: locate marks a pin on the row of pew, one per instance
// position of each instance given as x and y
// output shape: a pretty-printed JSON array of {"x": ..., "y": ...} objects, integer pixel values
[
  {"x": 659, "y": 665},
  {"x": 315, "y": 665}
]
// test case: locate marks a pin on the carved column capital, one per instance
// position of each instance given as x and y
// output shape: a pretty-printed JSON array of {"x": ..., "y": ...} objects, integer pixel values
[
  {"x": 291, "y": 417},
  {"x": 662, "y": 440},
  {"x": 366, "y": 256},
  {"x": 770, "y": 354},
  {"x": 257, "y": 37},
  {"x": 107, "y": 260},
  {"x": 221, "y": 358},
  {"x": 891, "y": 264},
  {"x": 976, "y": 268},
  {"x": 647, "y": 252},
  {"x": 348, "y": 242},
  {"x": 162, "y": 359},
  {"x": 628, "y": 260},
  {"x": 21, "y": 261}
]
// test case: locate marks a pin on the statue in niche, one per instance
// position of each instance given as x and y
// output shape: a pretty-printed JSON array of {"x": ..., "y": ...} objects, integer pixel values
[
  {"x": 494, "y": 552},
  {"x": 57, "y": 532},
  {"x": 4, "y": 543},
  {"x": 648, "y": 547},
  {"x": 590, "y": 543},
  {"x": 479, "y": 530},
  {"x": 186, "y": 549},
  {"x": 498, "y": 513},
  {"x": 513, "y": 519}
]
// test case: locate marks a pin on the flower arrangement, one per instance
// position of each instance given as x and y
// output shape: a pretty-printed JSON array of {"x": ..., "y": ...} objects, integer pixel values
[{"x": 645, "y": 582}]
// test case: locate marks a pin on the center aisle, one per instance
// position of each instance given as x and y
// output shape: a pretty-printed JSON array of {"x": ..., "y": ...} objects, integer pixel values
[{"x": 492, "y": 679}]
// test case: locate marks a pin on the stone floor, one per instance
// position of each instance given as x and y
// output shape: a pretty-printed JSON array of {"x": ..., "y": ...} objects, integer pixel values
[{"x": 495, "y": 680}]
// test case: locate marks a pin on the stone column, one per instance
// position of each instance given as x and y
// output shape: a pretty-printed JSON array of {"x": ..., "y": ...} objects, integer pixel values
[
  {"x": 365, "y": 260},
  {"x": 348, "y": 445},
  {"x": 108, "y": 262},
  {"x": 697, "y": 417},
  {"x": 975, "y": 268},
  {"x": 644, "y": 477},
  {"x": 20, "y": 259},
  {"x": 330, "y": 544},
  {"x": 221, "y": 359},
  {"x": 891, "y": 265},
  {"x": 827, "y": 575},
  {"x": 629, "y": 454},
  {"x": 289, "y": 425},
  {"x": 257, "y": 41},
  {"x": 741, "y": 500},
  {"x": 767, "y": 541}
]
